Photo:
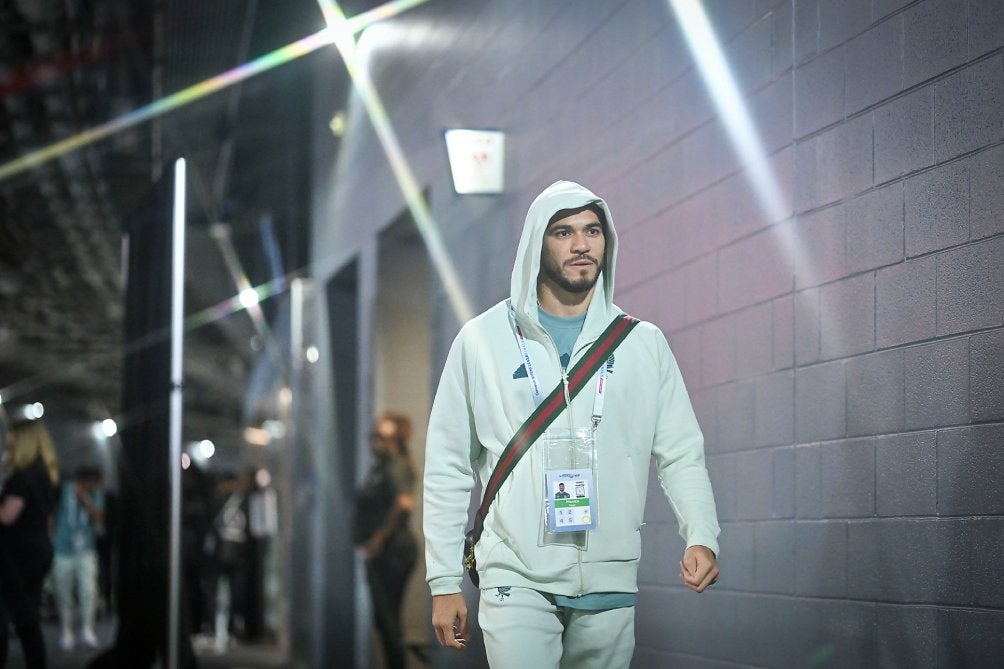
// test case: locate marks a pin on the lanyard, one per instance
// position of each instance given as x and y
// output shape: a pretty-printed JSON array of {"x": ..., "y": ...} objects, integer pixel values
[{"x": 538, "y": 395}]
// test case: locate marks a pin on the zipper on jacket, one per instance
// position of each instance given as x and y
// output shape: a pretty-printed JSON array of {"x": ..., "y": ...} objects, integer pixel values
[
  {"x": 583, "y": 346},
  {"x": 564, "y": 371}
]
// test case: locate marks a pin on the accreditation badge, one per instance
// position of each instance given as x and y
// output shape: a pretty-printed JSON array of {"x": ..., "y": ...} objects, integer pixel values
[{"x": 571, "y": 499}]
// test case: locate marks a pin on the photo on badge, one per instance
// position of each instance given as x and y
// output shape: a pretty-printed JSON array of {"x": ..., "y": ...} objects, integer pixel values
[{"x": 572, "y": 508}]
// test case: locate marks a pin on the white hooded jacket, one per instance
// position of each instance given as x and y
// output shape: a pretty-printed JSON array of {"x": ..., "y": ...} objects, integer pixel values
[{"x": 482, "y": 401}]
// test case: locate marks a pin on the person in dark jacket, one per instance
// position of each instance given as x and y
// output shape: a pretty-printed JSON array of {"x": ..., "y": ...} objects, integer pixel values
[
  {"x": 26, "y": 504},
  {"x": 383, "y": 507}
]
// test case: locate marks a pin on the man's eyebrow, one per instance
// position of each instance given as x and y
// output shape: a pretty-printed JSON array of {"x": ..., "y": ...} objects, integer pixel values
[{"x": 568, "y": 226}]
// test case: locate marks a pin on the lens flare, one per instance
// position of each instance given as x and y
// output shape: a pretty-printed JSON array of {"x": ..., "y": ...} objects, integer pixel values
[
  {"x": 219, "y": 311},
  {"x": 261, "y": 64},
  {"x": 267, "y": 62},
  {"x": 344, "y": 40},
  {"x": 718, "y": 79},
  {"x": 232, "y": 305},
  {"x": 721, "y": 85},
  {"x": 340, "y": 31},
  {"x": 248, "y": 297}
]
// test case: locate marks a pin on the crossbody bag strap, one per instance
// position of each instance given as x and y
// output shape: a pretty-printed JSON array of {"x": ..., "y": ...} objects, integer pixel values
[{"x": 547, "y": 411}]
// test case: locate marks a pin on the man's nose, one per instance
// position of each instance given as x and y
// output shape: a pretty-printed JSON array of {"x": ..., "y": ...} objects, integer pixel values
[{"x": 580, "y": 242}]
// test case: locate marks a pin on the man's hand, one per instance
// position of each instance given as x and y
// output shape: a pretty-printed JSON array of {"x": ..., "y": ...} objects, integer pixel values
[
  {"x": 698, "y": 569},
  {"x": 447, "y": 612}
]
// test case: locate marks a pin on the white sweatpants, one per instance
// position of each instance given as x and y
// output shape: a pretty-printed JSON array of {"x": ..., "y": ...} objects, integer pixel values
[
  {"x": 523, "y": 628},
  {"x": 80, "y": 569}
]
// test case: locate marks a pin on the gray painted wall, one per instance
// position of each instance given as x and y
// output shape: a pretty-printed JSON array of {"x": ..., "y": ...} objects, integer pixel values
[{"x": 846, "y": 358}]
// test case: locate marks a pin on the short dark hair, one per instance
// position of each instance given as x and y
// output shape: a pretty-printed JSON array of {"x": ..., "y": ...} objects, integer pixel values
[
  {"x": 87, "y": 472},
  {"x": 592, "y": 206}
]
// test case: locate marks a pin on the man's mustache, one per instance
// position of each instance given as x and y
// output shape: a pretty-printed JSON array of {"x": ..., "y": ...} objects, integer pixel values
[{"x": 581, "y": 258}]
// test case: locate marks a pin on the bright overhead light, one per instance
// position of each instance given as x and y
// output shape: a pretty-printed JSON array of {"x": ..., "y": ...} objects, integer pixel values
[
  {"x": 109, "y": 428},
  {"x": 36, "y": 410},
  {"x": 312, "y": 354},
  {"x": 248, "y": 297},
  {"x": 186, "y": 461},
  {"x": 207, "y": 449}
]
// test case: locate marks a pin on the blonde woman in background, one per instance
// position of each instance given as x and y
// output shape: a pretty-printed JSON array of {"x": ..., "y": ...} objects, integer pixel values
[{"x": 26, "y": 503}]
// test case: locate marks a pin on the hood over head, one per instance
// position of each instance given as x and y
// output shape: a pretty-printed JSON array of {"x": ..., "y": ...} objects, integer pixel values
[
  {"x": 556, "y": 197},
  {"x": 559, "y": 195}
]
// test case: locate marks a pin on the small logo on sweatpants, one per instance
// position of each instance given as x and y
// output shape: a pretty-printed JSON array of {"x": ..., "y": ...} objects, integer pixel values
[{"x": 502, "y": 593}]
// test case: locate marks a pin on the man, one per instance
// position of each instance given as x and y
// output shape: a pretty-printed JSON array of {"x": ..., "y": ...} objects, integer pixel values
[
  {"x": 551, "y": 597},
  {"x": 561, "y": 494},
  {"x": 80, "y": 519}
]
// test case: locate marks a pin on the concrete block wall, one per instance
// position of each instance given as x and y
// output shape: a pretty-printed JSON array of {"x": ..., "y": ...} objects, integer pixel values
[{"x": 845, "y": 356}]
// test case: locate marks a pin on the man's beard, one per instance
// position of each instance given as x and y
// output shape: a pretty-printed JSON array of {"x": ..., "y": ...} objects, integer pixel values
[{"x": 583, "y": 284}]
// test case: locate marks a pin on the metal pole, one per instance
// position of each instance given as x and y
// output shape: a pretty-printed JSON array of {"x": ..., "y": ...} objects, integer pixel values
[
  {"x": 174, "y": 459},
  {"x": 292, "y": 457}
]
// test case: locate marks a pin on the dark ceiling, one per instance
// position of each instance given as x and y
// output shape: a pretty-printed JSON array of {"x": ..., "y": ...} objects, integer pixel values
[{"x": 70, "y": 65}]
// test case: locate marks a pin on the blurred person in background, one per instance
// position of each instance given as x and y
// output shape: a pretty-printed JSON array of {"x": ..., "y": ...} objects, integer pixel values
[
  {"x": 263, "y": 524},
  {"x": 80, "y": 517},
  {"x": 383, "y": 507},
  {"x": 198, "y": 544},
  {"x": 230, "y": 530},
  {"x": 26, "y": 503}
]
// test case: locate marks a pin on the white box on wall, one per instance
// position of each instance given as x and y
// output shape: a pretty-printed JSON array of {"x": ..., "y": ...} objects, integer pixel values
[{"x": 477, "y": 160}]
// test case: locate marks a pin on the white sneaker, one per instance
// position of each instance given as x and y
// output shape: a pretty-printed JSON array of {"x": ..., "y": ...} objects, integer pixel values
[
  {"x": 88, "y": 638},
  {"x": 66, "y": 640}
]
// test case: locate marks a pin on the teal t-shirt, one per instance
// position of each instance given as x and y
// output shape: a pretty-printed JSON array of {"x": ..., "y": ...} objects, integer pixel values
[
  {"x": 564, "y": 332},
  {"x": 74, "y": 530}
]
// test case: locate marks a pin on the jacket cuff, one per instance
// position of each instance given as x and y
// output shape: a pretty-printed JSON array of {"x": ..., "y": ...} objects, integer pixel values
[
  {"x": 445, "y": 585},
  {"x": 707, "y": 540}
]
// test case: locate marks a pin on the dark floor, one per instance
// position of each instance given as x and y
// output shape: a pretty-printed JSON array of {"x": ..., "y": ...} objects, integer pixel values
[{"x": 235, "y": 656}]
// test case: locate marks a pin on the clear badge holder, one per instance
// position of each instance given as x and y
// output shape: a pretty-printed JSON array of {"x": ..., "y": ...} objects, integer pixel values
[{"x": 570, "y": 487}]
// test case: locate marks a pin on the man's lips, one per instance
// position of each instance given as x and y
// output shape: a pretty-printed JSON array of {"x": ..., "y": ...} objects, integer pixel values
[{"x": 581, "y": 262}]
